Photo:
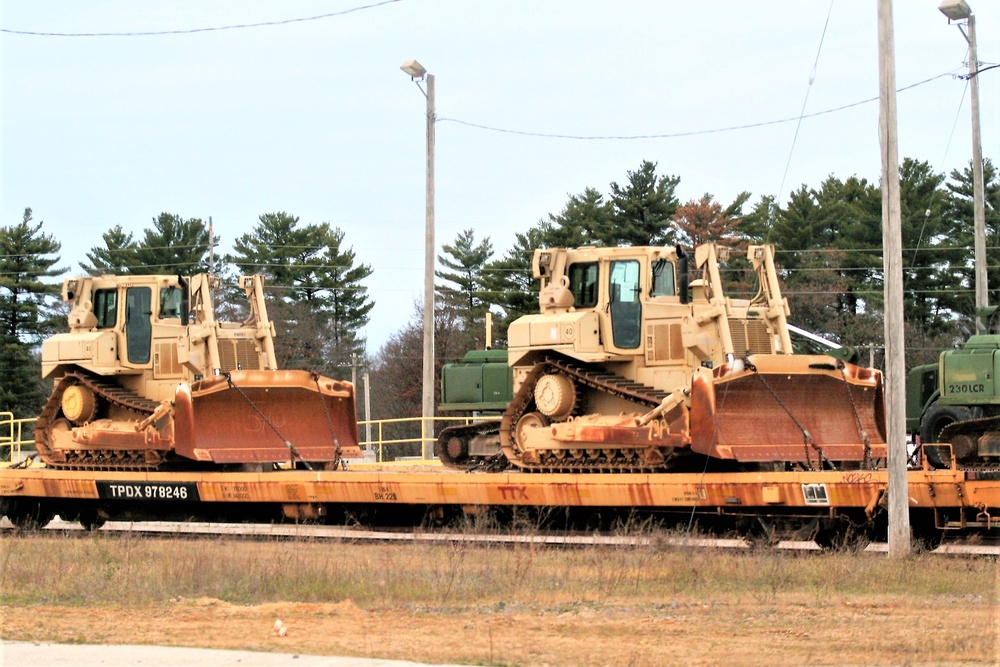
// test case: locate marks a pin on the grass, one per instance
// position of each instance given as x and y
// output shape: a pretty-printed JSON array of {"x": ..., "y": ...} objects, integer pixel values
[
  {"x": 501, "y": 604},
  {"x": 125, "y": 569}
]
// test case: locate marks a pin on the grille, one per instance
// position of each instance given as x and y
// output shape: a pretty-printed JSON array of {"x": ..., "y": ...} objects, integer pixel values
[
  {"x": 750, "y": 337},
  {"x": 238, "y": 355},
  {"x": 165, "y": 360},
  {"x": 664, "y": 342}
]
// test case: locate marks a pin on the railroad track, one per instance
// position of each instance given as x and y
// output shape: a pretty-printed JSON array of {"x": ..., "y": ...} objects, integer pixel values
[{"x": 267, "y": 531}]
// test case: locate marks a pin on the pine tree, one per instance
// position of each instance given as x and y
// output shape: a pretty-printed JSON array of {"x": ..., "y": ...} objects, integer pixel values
[
  {"x": 117, "y": 256},
  {"x": 27, "y": 258},
  {"x": 587, "y": 219},
  {"x": 465, "y": 284},
  {"x": 511, "y": 284},
  {"x": 643, "y": 208},
  {"x": 962, "y": 217},
  {"x": 931, "y": 283},
  {"x": 173, "y": 245},
  {"x": 320, "y": 303}
]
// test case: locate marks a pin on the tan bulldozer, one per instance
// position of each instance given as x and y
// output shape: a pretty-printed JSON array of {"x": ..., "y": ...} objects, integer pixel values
[
  {"x": 148, "y": 378},
  {"x": 631, "y": 365}
]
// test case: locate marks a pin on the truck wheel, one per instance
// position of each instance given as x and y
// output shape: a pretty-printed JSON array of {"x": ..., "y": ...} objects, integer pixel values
[{"x": 935, "y": 420}]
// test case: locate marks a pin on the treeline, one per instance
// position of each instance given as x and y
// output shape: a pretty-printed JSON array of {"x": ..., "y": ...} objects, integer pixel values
[{"x": 828, "y": 240}]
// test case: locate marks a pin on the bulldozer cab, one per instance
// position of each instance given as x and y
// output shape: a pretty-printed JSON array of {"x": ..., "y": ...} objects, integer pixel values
[
  {"x": 636, "y": 305},
  {"x": 161, "y": 327},
  {"x": 609, "y": 285}
]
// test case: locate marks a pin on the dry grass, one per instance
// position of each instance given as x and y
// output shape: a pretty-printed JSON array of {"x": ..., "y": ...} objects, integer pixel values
[{"x": 506, "y": 604}]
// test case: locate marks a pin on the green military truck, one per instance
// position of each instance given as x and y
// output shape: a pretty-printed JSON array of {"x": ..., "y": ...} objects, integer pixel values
[
  {"x": 479, "y": 383},
  {"x": 957, "y": 400}
]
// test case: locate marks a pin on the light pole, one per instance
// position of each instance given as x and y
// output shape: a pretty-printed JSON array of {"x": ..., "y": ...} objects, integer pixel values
[
  {"x": 418, "y": 74},
  {"x": 959, "y": 10}
]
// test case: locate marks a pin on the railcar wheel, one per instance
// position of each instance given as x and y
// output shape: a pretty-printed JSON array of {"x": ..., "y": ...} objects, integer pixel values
[
  {"x": 91, "y": 520},
  {"x": 29, "y": 515},
  {"x": 926, "y": 534},
  {"x": 759, "y": 532},
  {"x": 843, "y": 536}
]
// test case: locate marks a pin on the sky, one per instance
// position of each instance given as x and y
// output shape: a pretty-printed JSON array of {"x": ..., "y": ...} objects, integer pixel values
[{"x": 315, "y": 117}]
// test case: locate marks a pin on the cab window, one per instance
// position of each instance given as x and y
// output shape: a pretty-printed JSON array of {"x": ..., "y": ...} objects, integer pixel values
[
  {"x": 583, "y": 281},
  {"x": 170, "y": 303},
  {"x": 106, "y": 308},
  {"x": 663, "y": 279}
]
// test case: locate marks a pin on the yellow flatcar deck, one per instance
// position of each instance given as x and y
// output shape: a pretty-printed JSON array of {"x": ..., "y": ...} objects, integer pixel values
[{"x": 297, "y": 491}]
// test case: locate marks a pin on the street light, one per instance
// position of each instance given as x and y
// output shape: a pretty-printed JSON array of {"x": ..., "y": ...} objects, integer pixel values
[
  {"x": 418, "y": 73},
  {"x": 959, "y": 10}
]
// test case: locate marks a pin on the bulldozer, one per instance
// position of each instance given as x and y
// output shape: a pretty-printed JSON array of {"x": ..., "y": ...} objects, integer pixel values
[
  {"x": 148, "y": 378},
  {"x": 635, "y": 363}
]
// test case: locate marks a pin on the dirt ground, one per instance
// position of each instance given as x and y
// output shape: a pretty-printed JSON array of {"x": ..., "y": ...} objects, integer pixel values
[{"x": 688, "y": 632}]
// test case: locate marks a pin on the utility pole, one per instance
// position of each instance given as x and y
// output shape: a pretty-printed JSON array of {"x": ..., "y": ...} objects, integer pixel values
[
  {"x": 211, "y": 246},
  {"x": 892, "y": 249}
]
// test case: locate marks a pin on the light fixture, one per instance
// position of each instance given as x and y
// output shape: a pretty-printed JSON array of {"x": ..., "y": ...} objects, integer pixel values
[
  {"x": 415, "y": 69},
  {"x": 955, "y": 10}
]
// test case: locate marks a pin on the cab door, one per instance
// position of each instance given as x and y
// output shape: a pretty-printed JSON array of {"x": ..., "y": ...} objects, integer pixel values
[
  {"x": 138, "y": 325},
  {"x": 624, "y": 303}
]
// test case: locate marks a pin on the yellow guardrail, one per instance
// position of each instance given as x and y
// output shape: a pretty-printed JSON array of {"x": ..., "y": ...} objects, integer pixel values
[
  {"x": 14, "y": 447},
  {"x": 376, "y": 442},
  {"x": 12, "y": 441}
]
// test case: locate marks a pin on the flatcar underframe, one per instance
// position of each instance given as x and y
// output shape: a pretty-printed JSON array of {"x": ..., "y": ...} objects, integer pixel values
[{"x": 821, "y": 505}]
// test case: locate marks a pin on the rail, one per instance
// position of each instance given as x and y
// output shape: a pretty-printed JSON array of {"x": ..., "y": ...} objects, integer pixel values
[
  {"x": 12, "y": 441},
  {"x": 375, "y": 436}
]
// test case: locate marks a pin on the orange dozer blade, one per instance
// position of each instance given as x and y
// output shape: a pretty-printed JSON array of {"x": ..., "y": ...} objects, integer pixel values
[
  {"x": 237, "y": 418},
  {"x": 789, "y": 408}
]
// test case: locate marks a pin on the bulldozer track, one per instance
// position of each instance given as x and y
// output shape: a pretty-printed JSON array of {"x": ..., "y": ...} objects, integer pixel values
[
  {"x": 464, "y": 461},
  {"x": 611, "y": 383},
  {"x": 113, "y": 392},
  {"x": 91, "y": 459},
  {"x": 625, "y": 460},
  {"x": 968, "y": 426},
  {"x": 974, "y": 428}
]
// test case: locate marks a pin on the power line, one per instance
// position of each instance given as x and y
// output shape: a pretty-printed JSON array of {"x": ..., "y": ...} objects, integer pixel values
[
  {"x": 675, "y": 135},
  {"x": 936, "y": 190},
  {"x": 190, "y": 31},
  {"x": 798, "y": 125}
]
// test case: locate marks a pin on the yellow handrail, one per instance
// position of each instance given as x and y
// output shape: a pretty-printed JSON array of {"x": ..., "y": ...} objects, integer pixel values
[
  {"x": 378, "y": 441},
  {"x": 12, "y": 441},
  {"x": 12, "y": 437}
]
